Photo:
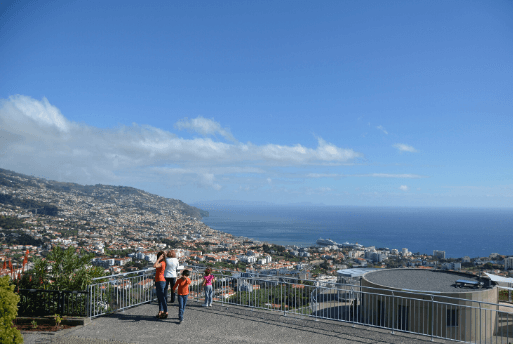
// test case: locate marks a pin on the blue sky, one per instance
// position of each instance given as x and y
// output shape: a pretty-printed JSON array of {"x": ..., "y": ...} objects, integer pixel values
[{"x": 373, "y": 103}]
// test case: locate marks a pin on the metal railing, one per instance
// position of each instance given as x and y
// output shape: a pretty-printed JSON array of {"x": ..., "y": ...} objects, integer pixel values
[
  {"x": 423, "y": 313},
  {"x": 428, "y": 314},
  {"x": 40, "y": 302},
  {"x": 114, "y": 293}
]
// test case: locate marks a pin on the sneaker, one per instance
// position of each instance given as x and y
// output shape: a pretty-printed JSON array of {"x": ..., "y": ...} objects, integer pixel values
[
  {"x": 204, "y": 305},
  {"x": 210, "y": 305}
]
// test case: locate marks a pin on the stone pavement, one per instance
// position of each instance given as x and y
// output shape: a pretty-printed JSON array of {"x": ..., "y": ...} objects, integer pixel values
[{"x": 219, "y": 325}]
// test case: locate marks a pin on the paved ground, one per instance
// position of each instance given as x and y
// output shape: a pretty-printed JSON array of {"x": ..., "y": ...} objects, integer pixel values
[{"x": 219, "y": 325}]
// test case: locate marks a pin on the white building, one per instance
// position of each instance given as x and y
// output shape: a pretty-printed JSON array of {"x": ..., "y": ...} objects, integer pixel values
[
  {"x": 377, "y": 257},
  {"x": 438, "y": 254},
  {"x": 150, "y": 257},
  {"x": 247, "y": 259},
  {"x": 508, "y": 263},
  {"x": 451, "y": 266}
]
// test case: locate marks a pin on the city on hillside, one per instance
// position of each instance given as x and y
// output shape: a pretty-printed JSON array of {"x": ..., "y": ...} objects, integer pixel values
[{"x": 125, "y": 228}]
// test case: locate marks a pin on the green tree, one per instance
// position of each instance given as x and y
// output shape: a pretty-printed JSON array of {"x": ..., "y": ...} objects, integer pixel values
[
  {"x": 68, "y": 270},
  {"x": 8, "y": 312},
  {"x": 324, "y": 265},
  {"x": 487, "y": 266}
]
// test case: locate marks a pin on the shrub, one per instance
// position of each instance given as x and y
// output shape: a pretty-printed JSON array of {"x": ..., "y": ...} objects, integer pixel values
[
  {"x": 69, "y": 270},
  {"x": 58, "y": 319},
  {"x": 8, "y": 312}
]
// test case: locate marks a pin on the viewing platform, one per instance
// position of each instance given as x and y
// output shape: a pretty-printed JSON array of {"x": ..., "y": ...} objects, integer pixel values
[
  {"x": 252, "y": 308},
  {"x": 220, "y": 324}
]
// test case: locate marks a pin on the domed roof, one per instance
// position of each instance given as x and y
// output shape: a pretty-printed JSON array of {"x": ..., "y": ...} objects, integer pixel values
[{"x": 420, "y": 280}]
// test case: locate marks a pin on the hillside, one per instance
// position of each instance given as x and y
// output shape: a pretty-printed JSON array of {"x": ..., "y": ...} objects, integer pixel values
[{"x": 46, "y": 197}]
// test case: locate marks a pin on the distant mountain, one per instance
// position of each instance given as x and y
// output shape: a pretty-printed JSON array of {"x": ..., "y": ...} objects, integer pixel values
[
  {"x": 306, "y": 204},
  {"x": 216, "y": 203},
  {"x": 108, "y": 193}
]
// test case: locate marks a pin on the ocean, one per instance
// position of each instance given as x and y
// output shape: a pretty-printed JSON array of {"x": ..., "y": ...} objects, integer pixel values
[{"x": 457, "y": 231}]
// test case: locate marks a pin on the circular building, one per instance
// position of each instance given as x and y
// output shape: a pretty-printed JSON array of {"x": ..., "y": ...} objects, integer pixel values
[{"x": 440, "y": 303}]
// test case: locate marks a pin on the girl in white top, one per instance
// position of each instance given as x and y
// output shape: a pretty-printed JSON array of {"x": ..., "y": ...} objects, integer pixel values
[{"x": 170, "y": 272}]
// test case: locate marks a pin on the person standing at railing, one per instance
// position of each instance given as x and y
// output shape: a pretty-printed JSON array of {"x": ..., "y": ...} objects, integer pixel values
[
  {"x": 160, "y": 282},
  {"x": 182, "y": 284},
  {"x": 170, "y": 273},
  {"x": 207, "y": 285}
]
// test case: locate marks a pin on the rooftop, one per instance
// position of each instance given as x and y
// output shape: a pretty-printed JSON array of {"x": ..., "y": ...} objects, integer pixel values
[
  {"x": 220, "y": 325},
  {"x": 418, "y": 279},
  {"x": 351, "y": 273}
]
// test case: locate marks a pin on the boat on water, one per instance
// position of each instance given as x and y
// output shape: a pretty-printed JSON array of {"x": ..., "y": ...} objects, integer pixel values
[{"x": 325, "y": 242}]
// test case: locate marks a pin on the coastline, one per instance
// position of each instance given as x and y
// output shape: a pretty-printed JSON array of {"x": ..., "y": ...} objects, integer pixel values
[{"x": 458, "y": 232}]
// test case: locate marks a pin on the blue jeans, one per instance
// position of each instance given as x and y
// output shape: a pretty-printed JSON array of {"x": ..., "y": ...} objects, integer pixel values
[
  {"x": 208, "y": 295},
  {"x": 182, "y": 302},
  {"x": 160, "y": 296},
  {"x": 172, "y": 281}
]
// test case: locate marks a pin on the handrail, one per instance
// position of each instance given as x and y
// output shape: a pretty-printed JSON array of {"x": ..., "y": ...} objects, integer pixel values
[{"x": 429, "y": 314}]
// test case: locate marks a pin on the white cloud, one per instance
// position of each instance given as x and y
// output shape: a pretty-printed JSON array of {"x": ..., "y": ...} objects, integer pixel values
[
  {"x": 325, "y": 175},
  {"x": 294, "y": 155},
  {"x": 314, "y": 191},
  {"x": 376, "y": 175},
  {"x": 404, "y": 188},
  {"x": 389, "y": 175},
  {"x": 380, "y": 127},
  {"x": 404, "y": 148},
  {"x": 204, "y": 126},
  {"x": 269, "y": 181},
  {"x": 209, "y": 181},
  {"x": 35, "y": 138},
  {"x": 22, "y": 110}
]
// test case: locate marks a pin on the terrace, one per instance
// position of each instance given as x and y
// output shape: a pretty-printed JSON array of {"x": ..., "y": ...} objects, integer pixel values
[
  {"x": 220, "y": 325},
  {"x": 255, "y": 309}
]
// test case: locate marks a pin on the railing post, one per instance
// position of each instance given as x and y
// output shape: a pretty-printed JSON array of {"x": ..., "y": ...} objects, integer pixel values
[
  {"x": 281, "y": 294},
  {"x": 432, "y": 317},
  {"x": 87, "y": 303},
  {"x": 393, "y": 312},
  {"x": 355, "y": 306},
  {"x": 284, "y": 311},
  {"x": 221, "y": 284},
  {"x": 480, "y": 326},
  {"x": 61, "y": 303}
]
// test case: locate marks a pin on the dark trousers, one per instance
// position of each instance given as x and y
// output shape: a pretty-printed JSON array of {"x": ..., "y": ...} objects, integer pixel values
[
  {"x": 172, "y": 281},
  {"x": 160, "y": 296}
]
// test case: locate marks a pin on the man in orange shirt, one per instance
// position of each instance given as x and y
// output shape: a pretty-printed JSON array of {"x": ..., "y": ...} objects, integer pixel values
[{"x": 183, "y": 291}]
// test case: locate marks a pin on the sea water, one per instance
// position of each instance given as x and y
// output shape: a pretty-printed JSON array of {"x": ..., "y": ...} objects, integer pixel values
[{"x": 457, "y": 231}]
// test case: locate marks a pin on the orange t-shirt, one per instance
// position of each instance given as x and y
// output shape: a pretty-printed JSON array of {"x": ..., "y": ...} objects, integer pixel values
[
  {"x": 159, "y": 272},
  {"x": 183, "y": 286}
]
